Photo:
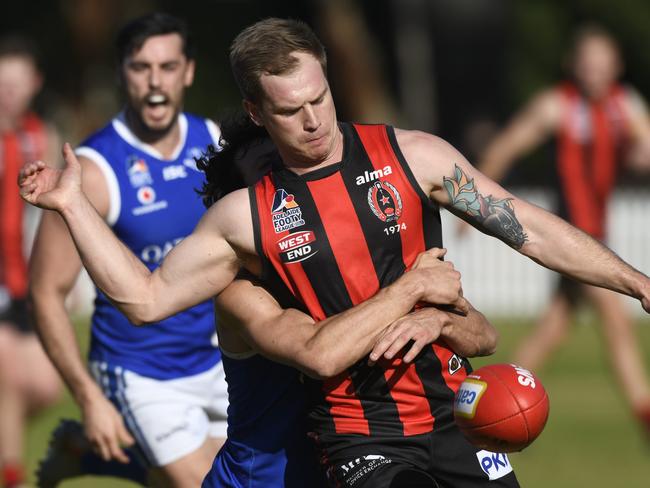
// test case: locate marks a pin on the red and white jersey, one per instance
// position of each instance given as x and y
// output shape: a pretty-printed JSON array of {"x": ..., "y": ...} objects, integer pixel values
[
  {"x": 590, "y": 141},
  {"x": 27, "y": 143}
]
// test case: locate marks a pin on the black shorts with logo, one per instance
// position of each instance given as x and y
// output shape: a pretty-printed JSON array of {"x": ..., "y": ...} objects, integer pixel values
[
  {"x": 13, "y": 313},
  {"x": 441, "y": 459}
]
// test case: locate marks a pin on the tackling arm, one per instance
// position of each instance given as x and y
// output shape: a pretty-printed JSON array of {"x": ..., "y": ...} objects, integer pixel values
[{"x": 329, "y": 347}]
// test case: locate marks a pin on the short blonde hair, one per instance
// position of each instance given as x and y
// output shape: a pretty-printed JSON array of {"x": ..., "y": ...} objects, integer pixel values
[{"x": 266, "y": 48}]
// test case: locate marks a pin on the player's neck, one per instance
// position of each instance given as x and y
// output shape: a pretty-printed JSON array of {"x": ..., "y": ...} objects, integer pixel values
[{"x": 164, "y": 141}]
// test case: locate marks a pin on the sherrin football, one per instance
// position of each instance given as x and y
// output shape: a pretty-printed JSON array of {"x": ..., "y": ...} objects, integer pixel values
[{"x": 501, "y": 407}]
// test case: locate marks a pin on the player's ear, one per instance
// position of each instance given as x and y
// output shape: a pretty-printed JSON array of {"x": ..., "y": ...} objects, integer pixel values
[
  {"x": 189, "y": 73},
  {"x": 253, "y": 112}
]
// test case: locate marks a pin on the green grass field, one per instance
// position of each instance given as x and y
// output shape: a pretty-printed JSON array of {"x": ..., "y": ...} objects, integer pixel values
[{"x": 590, "y": 439}]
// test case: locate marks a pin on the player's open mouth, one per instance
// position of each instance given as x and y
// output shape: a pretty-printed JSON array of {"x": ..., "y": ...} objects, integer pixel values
[{"x": 156, "y": 99}]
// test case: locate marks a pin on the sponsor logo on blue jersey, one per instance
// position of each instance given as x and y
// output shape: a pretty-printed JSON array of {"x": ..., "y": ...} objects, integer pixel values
[
  {"x": 154, "y": 253},
  {"x": 174, "y": 172},
  {"x": 138, "y": 171},
  {"x": 147, "y": 197}
]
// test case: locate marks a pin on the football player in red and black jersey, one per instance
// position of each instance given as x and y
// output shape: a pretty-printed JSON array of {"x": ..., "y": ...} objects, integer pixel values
[
  {"x": 28, "y": 381},
  {"x": 332, "y": 246},
  {"x": 598, "y": 125}
]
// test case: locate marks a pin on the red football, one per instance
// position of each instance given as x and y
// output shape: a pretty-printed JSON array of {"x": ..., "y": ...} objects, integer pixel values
[{"x": 501, "y": 407}]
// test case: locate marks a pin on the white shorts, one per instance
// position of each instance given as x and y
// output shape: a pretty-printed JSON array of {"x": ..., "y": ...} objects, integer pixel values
[{"x": 168, "y": 418}]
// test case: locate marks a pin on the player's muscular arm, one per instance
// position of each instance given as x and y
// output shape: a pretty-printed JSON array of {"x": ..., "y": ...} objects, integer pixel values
[
  {"x": 449, "y": 179},
  {"x": 197, "y": 269},
  {"x": 327, "y": 348},
  {"x": 54, "y": 267},
  {"x": 524, "y": 132}
]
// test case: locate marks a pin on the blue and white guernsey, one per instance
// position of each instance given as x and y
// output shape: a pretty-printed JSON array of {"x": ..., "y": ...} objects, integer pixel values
[{"x": 153, "y": 206}]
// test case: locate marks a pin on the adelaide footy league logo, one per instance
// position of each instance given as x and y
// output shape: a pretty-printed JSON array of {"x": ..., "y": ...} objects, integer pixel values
[
  {"x": 285, "y": 212},
  {"x": 385, "y": 201},
  {"x": 138, "y": 171}
]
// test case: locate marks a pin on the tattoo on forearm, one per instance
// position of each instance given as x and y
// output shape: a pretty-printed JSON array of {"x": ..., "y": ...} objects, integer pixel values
[{"x": 497, "y": 217}]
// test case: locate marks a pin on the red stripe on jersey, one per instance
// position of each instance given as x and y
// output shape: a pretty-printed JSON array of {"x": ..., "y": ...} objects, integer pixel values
[
  {"x": 294, "y": 278},
  {"x": 342, "y": 227},
  {"x": 377, "y": 145},
  {"x": 603, "y": 162},
  {"x": 12, "y": 261},
  {"x": 407, "y": 389},
  {"x": 573, "y": 172},
  {"x": 345, "y": 407}
]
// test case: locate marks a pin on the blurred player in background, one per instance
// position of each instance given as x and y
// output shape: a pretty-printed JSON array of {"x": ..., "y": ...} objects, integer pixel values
[
  {"x": 166, "y": 383},
  {"x": 599, "y": 125},
  {"x": 28, "y": 382}
]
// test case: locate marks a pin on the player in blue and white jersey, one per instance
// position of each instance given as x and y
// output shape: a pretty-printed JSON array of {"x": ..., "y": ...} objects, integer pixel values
[{"x": 162, "y": 386}]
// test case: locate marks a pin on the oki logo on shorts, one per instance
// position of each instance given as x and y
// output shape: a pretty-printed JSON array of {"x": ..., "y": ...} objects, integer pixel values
[
  {"x": 467, "y": 398},
  {"x": 495, "y": 464}
]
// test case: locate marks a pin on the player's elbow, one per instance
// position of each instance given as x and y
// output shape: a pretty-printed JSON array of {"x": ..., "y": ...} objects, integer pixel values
[
  {"x": 42, "y": 295},
  {"x": 141, "y": 318},
  {"x": 144, "y": 307},
  {"x": 490, "y": 343},
  {"x": 321, "y": 365},
  {"x": 487, "y": 343},
  {"x": 141, "y": 314}
]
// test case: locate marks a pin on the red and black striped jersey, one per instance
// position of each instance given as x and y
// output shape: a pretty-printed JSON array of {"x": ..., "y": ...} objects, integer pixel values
[
  {"x": 334, "y": 237},
  {"x": 27, "y": 143},
  {"x": 589, "y": 144}
]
